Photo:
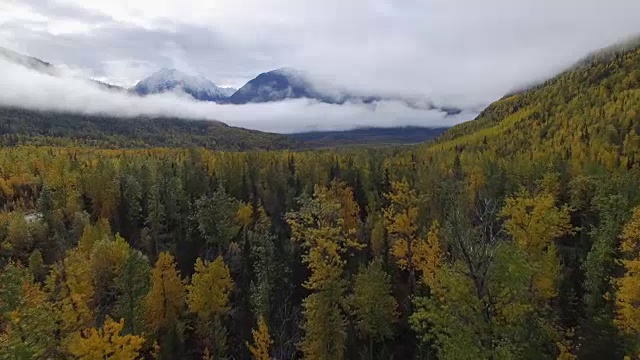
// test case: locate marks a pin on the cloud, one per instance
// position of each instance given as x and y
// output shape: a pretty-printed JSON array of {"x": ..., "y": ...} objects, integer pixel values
[
  {"x": 21, "y": 87},
  {"x": 462, "y": 52}
]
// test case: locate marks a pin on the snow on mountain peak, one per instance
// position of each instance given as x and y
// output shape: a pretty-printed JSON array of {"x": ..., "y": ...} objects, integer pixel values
[{"x": 167, "y": 80}]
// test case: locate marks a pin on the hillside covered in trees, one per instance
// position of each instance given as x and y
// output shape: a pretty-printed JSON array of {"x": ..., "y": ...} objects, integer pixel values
[
  {"x": 28, "y": 127},
  {"x": 368, "y": 136},
  {"x": 514, "y": 236}
]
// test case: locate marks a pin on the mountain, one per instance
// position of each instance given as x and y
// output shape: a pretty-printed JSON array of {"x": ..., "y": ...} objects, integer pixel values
[
  {"x": 30, "y": 127},
  {"x": 45, "y": 67},
  {"x": 172, "y": 80},
  {"x": 288, "y": 83},
  {"x": 590, "y": 112},
  {"x": 368, "y": 136},
  {"x": 276, "y": 85},
  {"x": 227, "y": 91},
  {"x": 28, "y": 62}
]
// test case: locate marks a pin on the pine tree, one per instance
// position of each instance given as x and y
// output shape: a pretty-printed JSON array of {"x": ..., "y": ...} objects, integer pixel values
[
  {"x": 132, "y": 285},
  {"x": 374, "y": 306},
  {"x": 217, "y": 219}
]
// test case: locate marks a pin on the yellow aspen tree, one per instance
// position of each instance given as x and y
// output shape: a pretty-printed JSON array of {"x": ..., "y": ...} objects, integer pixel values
[
  {"x": 106, "y": 343},
  {"x": 628, "y": 295},
  {"x": 319, "y": 226},
  {"x": 401, "y": 221},
  {"x": 261, "y": 341},
  {"x": 349, "y": 210},
  {"x": 429, "y": 255},
  {"x": 244, "y": 215},
  {"x": 70, "y": 284},
  {"x": 207, "y": 355},
  {"x": 210, "y": 288},
  {"x": 208, "y": 294},
  {"x": 535, "y": 222},
  {"x": 165, "y": 301},
  {"x": 208, "y": 298},
  {"x": 92, "y": 234}
]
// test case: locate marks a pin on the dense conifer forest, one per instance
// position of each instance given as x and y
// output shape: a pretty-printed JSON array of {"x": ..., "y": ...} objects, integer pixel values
[
  {"x": 40, "y": 128},
  {"x": 514, "y": 236}
]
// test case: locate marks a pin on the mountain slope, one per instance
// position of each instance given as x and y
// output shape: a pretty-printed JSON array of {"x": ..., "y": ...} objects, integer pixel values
[
  {"x": 27, "y": 127},
  {"x": 172, "y": 80},
  {"x": 588, "y": 113},
  {"x": 28, "y": 61},
  {"x": 46, "y": 68},
  {"x": 274, "y": 85},
  {"x": 368, "y": 136}
]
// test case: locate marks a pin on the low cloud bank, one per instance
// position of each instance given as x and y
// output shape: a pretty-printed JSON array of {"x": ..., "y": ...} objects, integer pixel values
[{"x": 21, "y": 87}]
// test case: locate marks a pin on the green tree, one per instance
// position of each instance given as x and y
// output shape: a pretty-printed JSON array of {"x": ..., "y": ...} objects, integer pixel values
[
  {"x": 374, "y": 306},
  {"x": 217, "y": 219},
  {"x": 27, "y": 322},
  {"x": 132, "y": 285}
]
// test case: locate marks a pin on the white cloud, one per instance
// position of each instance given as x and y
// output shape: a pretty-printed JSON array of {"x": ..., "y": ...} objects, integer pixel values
[
  {"x": 457, "y": 52},
  {"x": 25, "y": 88}
]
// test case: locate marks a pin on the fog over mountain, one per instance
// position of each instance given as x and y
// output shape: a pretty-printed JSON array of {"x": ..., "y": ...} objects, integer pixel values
[
  {"x": 172, "y": 80},
  {"x": 459, "y": 54},
  {"x": 27, "y": 88}
]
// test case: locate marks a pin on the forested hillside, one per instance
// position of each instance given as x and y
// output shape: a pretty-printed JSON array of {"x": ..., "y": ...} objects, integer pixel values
[
  {"x": 28, "y": 127},
  {"x": 515, "y": 236},
  {"x": 592, "y": 110},
  {"x": 369, "y": 136}
]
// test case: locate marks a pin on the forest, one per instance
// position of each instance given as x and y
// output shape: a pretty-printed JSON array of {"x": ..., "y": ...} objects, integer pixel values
[
  {"x": 513, "y": 236},
  {"x": 20, "y": 127}
]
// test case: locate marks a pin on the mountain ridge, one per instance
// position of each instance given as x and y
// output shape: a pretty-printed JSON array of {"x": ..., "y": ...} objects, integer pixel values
[
  {"x": 270, "y": 86},
  {"x": 172, "y": 80}
]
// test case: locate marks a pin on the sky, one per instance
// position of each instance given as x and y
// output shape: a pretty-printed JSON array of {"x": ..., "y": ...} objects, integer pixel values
[{"x": 463, "y": 53}]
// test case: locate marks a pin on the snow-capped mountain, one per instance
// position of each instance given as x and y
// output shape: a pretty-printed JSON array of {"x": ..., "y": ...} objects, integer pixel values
[{"x": 172, "y": 80}]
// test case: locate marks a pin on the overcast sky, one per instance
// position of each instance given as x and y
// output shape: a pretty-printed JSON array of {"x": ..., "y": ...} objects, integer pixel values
[{"x": 457, "y": 52}]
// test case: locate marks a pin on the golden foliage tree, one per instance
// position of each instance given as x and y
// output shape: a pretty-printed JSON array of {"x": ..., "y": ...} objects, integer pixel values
[
  {"x": 210, "y": 288},
  {"x": 164, "y": 303},
  {"x": 429, "y": 255},
  {"x": 261, "y": 341},
  {"x": 628, "y": 296},
  {"x": 70, "y": 284},
  {"x": 401, "y": 221},
  {"x": 321, "y": 228},
  {"x": 106, "y": 343},
  {"x": 28, "y": 322},
  {"x": 535, "y": 222},
  {"x": 208, "y": 298}
]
